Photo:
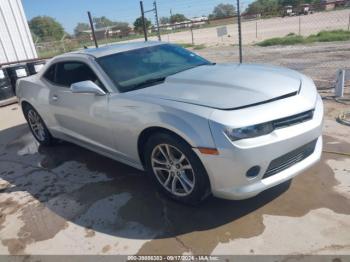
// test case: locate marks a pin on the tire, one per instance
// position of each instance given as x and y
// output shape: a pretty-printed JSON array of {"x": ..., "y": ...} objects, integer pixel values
[
  {"x": 37, "y": 126},
  {"x": 192, "y": 184}
]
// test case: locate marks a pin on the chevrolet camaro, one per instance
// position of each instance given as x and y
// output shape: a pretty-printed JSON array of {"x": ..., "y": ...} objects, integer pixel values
[{"x": 196, "y": 127}]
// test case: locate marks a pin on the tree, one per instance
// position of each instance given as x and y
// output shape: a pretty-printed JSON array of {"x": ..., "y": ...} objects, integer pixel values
[
  {"x": 80, "y": 28},
  {"x": 100, "y": 22},
  {"x": 138, "y": 26},
  {"x": 223, "y": 10},
  {"x": 177, "y": 18},
  {"x": 264, "y": 7},
  {"x": 46, "y": 28},
  {"x": 164, "y": 20},
  {"x": 296, "y": 3},
  {"x": 123, "y": 27}
]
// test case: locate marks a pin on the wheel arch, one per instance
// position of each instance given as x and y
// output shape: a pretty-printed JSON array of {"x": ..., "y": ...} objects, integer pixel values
[
  {"x": 25, "y": 103},
  {"x": 150, "y": 131}
]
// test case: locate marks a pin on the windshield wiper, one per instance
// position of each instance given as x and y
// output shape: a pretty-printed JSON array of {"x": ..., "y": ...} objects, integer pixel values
[
  {"x": 204, "y": 64},
  {"x": 149, "y": 82}
]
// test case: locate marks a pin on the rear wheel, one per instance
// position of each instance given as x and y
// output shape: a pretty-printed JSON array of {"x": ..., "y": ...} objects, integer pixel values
[
  {"x": 176, "y": 169},
  {"x": 37, "y": 126}
]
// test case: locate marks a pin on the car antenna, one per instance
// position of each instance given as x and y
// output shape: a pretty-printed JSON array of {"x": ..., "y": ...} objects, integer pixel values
[{"x": 92, "y": 29}]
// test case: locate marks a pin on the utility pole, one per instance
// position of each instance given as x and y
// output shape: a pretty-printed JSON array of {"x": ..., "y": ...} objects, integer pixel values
[
  {"x": 156, "y": 18},
  {"x": 239, "y": 32},
  {"x": 92, "y": 29},
  {"x": 143, "y": 21}
]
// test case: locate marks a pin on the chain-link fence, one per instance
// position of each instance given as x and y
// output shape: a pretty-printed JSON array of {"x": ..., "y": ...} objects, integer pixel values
[
  {"x": 296, "y": 26},
  {"x": 316, "y": 39},
  {"x": 203, "y": 30},
  {"x": 256, "y": 28}
]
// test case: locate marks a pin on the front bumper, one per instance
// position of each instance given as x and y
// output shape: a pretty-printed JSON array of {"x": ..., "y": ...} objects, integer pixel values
[{"x": 227, "y": 171}]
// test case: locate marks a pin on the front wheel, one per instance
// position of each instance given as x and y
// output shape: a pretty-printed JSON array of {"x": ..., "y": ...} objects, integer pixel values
[
  {"x": 176, "y": 169},
  {"x": 37, "y": 126}
]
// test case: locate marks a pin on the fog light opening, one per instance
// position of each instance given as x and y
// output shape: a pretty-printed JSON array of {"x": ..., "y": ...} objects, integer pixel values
[{"x": 253, "y": 172}]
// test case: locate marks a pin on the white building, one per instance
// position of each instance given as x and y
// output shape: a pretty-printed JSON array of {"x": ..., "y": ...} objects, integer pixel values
[
  {"x": 16, "y": 42},
  {"x": 199, "y": 19}
]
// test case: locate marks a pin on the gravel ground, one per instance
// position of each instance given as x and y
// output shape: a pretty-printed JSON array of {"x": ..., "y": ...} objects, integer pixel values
[
  {"x": 320, "y": 61},
  {"x": 68, "y": 200}
]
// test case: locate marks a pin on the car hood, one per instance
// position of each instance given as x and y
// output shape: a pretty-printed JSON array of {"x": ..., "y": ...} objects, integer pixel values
[{"x": 227, "y": 86}]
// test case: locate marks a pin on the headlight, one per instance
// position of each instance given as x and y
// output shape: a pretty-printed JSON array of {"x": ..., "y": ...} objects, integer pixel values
[{"x": 249, "y": 131}]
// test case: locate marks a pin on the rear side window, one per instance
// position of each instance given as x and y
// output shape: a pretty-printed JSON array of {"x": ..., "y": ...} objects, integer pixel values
[
  {"x": 67, "y": 73},
  {"x": 72, "y": 72},
  {"x": 50, "y": 74}
]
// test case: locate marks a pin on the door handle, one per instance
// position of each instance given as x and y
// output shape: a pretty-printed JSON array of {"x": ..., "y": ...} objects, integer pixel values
[{"x": 54, "y": 98}]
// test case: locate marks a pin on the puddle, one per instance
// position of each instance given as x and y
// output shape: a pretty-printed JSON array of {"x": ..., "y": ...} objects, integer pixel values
[{"x": 71, "y": 183}]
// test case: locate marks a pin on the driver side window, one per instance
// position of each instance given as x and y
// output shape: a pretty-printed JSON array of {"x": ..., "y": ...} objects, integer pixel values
[{"x": 67, "y": 73}]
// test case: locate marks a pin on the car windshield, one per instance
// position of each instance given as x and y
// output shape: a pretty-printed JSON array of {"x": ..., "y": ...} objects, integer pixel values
[{"x": 147, "y": 66}]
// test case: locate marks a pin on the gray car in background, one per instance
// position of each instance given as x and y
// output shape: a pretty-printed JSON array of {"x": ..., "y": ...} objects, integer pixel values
[{"x": 197, "y": 127}]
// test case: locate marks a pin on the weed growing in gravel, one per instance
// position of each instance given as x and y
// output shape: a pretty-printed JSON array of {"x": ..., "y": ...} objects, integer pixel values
[{"x": 292, "y": 39}]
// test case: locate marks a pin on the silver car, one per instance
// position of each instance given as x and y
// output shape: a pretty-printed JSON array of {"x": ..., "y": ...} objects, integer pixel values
[{"x": 196, "y": 127}]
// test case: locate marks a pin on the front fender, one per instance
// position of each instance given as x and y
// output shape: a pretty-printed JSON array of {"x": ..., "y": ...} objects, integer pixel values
[{"x": 130, "y": 118}]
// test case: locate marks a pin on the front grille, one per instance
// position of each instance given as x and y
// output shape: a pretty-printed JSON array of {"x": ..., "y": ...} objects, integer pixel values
[
  {"x": 283, "y": 162},
  {"x": 293, "y": 120}
]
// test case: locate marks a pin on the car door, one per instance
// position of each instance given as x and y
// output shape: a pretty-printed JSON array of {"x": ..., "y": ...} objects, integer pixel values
[{"x": 81, "y": 116}]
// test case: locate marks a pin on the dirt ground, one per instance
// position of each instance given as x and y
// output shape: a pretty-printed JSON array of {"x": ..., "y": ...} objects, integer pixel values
[
  {"x": 68, "y": 200},
  {"x": 261, "y": 29}
]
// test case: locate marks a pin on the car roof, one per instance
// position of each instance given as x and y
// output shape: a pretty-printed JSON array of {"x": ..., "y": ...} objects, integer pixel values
[{"x": 115, "y": 48}]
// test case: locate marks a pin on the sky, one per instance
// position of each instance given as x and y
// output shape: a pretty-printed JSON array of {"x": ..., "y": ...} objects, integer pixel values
[{"x": 70, "y": 12}]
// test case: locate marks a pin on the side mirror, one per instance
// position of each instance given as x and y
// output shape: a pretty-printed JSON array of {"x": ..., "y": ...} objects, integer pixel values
[{"x": 87, "y": 87}]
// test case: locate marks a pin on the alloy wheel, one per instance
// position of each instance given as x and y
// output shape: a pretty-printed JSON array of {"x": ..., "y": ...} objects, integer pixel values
[
  {"x": 173, "y": 170},
  {"x": 36, "y": 125}
]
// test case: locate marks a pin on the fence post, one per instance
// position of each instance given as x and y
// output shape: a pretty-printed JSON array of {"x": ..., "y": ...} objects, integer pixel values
[
  {"x": 143, "y": 21},
  {"x": 239, "y": 32},
  {"x": 171, "y": 15},
  {"x": 299, "y": 24},
  {"x": 191, "y": 29},
  {"x": 256, "y": 27},
  {"x": 62, "y": 41},
  {"x": 349, "y": 23}
]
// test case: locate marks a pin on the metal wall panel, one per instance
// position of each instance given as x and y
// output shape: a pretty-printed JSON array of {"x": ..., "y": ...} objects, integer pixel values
[{"x": 16, "y": 42}]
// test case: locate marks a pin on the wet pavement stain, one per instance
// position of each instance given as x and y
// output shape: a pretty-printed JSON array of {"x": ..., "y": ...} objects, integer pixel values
[
  {"x": 199, "y": 230},
  {"x": 15, "y": 246},
  {"x": 141, "y": 212},
  {"x": 106, "y": 248},
  {"x": 40, "y": 224},
  {"x": 7, "y": 207},
  {"x": 89, "y": 233}
]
